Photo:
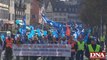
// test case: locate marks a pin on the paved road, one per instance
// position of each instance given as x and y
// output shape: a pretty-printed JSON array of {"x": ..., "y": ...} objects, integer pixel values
[{"x": 40, "y": 58}]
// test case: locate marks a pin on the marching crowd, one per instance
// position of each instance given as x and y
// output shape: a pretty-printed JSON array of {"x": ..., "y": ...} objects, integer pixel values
[{"x": 79, "y": 48}]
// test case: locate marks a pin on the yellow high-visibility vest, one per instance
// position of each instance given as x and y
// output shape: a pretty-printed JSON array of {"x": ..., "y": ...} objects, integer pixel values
[
  {"x": 92, "y": 50},
  {"x": 102, "y": 38},
  {"x": 80, "y": 45}
]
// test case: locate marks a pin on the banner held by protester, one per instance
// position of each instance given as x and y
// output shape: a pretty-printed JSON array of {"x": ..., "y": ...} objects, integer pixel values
[{"x": 42, "y": 50}]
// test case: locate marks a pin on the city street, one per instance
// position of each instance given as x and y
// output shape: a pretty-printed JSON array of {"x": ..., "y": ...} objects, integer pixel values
[
  {"x": 40, "y": 58},
  {"x": 56, "y": 29}
]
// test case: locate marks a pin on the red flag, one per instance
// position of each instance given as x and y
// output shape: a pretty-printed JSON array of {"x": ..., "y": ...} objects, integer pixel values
[{"x": 67, "y": 30}]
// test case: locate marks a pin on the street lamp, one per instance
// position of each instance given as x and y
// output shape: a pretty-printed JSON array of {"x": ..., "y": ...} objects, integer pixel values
[{"x": 19, "y": 7}]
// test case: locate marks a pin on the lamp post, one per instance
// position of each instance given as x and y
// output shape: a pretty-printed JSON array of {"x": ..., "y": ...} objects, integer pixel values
[{"x": 19, "y": 7}]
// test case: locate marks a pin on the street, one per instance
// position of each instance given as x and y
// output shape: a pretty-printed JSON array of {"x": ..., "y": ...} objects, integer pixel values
[
  {"x": 53, "y": 29},
  {"x": 40, "y": 58}
]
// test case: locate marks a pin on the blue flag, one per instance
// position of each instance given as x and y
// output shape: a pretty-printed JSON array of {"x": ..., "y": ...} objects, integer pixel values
[
  {"x": 55, "y": 34},
  {"x": 39, "y": 32},
  {"x": 62, "y": 33},
  {"x": 24, "y": 26},
  {"x": 45, "y": 33},
  {"x": 2, "y": 37},
  {"x": 44, "y": 18},
  {"x": 86, "y": 37},
  {"x": 32, "y": 32}
]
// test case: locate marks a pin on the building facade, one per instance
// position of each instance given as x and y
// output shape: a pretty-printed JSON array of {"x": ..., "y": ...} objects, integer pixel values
[
  {"x": 11, "y": 10},
  {"x": 63, "y": 10},
  {"x": 5, "y": 21},
  {"x": 34, "y": 12},
  {"x": 4, "y": 9},
  {"x": 21, "y": 9}
]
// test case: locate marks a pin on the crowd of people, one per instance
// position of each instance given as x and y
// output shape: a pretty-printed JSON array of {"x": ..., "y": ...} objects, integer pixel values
[{"x": 78, "y": 51}]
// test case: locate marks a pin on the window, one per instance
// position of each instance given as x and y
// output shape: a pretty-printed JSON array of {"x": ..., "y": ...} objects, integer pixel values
[
  {"x": 4, "y": 14},
  {"x": 18, "y": 12},
  {"x": 64, "y": 14},
  {"x": 13, "y": 16},
  {"x": 60, "y": 14},
  {"x": 69, "y": 9},
  {"x": 22, "y": 1},
  {"x": 59, "y": 9},
  {"x": 73, "y": 9},
  {"x": 55, "y": 9},
  {"x": 57, "y": 0},
  {"x": 64, "y": 0},
  {"x": 18, "y": 1},
  {"x": 76, "y": 10},
  {"x": 65, "y": 9},
  {"x": 12, "y": 4},
  {"x": 27, "y": 1},
  {"x": 55, "y": 19},
  {"x": 56, "y": 14},
  {"x": 5, "y": 2}
]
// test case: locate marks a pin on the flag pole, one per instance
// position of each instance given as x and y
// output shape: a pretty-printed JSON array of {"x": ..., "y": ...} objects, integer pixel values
[{"x": 42, "y": 24}]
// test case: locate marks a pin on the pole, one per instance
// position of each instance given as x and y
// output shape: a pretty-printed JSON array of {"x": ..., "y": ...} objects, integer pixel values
[
  {"x": 101, "y": 26},
  {"x": 15, "y": 15},
  {"x": 42, "y": 11},
  {"x": 42, "y": 24}
]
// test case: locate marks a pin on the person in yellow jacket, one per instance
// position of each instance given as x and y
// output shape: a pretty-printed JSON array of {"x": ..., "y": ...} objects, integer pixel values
[
  {"x": 80, "y": 49},
  {"x": 93, "y": 47},
  {"x": 102, "y": 41}
]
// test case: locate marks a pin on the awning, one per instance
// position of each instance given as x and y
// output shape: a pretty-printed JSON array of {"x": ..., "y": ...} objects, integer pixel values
[{"x": 8, "y": 22}]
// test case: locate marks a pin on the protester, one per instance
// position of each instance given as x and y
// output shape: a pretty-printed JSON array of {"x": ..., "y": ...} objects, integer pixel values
[
  {"x": 102, "y": 41},
  {"x": 89, "y": 39},
  {"x": 8, "y": 45},
  {"x": 49, "y": 37},
  {"x": 45, "y": 40},
  {"x": 73, "y": 48},
  {"x": 64, "y": 40},
  {"x": 18, "y": 42},
  {"x": 34, "y": 41},
  {"x": 80, "y": 48},
  {"x": 93, "y": 47}
]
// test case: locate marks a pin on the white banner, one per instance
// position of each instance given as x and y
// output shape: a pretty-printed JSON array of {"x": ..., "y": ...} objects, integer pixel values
[{"x": 42, "y": 50}]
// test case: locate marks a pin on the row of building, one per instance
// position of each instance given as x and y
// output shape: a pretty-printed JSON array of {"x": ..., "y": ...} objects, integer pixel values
[{"x": 57, "y": 10}]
